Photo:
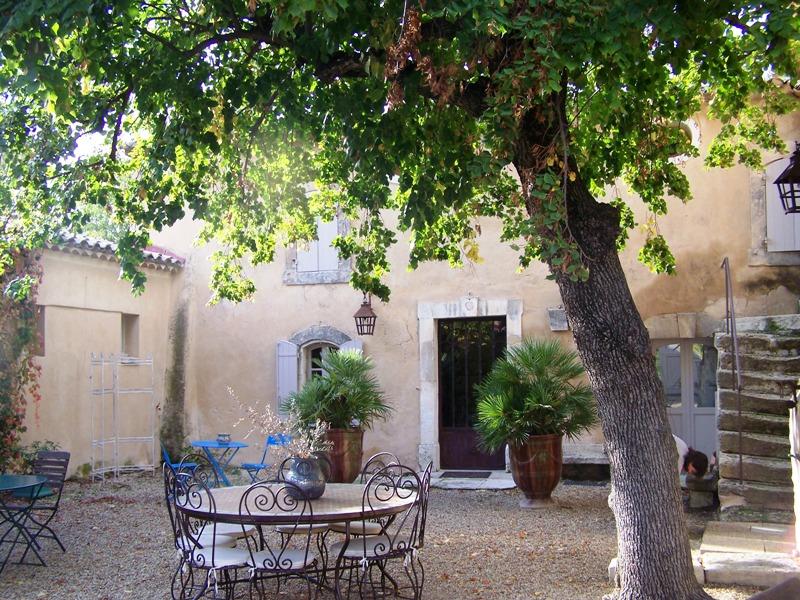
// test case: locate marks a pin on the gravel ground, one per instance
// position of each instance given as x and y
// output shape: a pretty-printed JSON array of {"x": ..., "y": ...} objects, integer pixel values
[{"x": 479, "y": 544}]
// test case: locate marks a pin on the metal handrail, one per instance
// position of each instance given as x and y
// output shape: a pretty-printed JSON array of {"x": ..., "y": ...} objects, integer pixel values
[{"x": 736, "y": 371}]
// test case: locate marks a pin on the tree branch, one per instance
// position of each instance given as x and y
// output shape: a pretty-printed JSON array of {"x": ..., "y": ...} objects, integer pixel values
[{"x": 118, "y": 123}]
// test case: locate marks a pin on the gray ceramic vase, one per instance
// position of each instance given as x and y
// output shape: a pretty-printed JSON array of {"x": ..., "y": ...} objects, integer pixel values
[{"x": 305, "y": 473}]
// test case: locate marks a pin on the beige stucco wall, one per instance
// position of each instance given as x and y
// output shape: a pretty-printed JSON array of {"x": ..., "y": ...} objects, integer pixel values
[
  {"x": 84, "y": 300},
  {"x": 235, "y": 345}
]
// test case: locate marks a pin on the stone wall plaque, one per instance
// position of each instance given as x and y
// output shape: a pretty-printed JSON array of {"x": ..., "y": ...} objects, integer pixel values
[{"x": 558, "y": 319}]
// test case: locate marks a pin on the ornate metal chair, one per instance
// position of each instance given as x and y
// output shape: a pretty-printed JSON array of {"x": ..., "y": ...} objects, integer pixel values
[
  {"x": 182, "y": 578},
  {"x": 53, "y": 465},
  {"x": 201, "y": 469},
  {"x": 202, "y": 546},
  {"x": 375, "y": 463},
  {"x": 366, "y": 560},
  {"x": 286, "y": 553}
]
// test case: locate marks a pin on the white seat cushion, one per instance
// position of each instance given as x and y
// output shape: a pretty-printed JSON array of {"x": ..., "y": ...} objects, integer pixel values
[
  {"x": 222, "y": 558},
  {"x": 315, "y": 528},
  {"x": 235, "y": 530},
  {"x": 205, "y": 541},
  {"x": 357, "y": 528},
  {"x": 375, "y": 546},
  {"x": 289, "y": 559}
]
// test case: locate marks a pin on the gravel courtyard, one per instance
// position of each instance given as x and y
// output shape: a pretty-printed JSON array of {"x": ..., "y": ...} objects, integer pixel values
[{"x": 479, "y": 544}]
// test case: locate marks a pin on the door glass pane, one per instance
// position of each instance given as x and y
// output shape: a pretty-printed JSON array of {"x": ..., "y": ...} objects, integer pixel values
[
  {"x": 704, "y": 361},
  {"x": 668, "y": 363},
  {"x": 467, "y": 350}
]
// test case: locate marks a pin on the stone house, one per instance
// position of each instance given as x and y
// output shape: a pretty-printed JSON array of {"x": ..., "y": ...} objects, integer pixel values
[{"x": 435, "y": 337}]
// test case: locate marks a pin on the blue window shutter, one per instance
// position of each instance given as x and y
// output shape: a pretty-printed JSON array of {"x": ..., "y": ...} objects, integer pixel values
[{"x": 288, "y": 358}]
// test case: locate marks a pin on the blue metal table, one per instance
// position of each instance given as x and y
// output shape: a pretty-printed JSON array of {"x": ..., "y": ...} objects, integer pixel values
[
  {"x": 14, "y": 513},
  {"x": 220, "y": 454}
]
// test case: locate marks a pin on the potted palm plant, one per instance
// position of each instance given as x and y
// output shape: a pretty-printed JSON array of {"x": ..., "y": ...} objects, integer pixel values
[
  {"x": 531, "y": 399},
  {"x": 348, "y": 398}
]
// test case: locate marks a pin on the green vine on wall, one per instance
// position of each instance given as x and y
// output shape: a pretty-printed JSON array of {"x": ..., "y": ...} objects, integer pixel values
[{"x": 19, "y": 339}]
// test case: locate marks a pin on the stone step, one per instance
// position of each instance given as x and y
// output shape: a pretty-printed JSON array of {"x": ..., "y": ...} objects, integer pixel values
[
  {"x": 762, "y": 383},
  {"x": 754, "y": 402},
  {"x": 762, "y": 363},
  {"x": 755, "y": 444},
  {"x": 758, "y": 494},
  {"x": 728, "y": 420},
  {"x": 773, "y": 324},
  {"x": 761, "y": 343},
  {"x": 756, "y": 468}
]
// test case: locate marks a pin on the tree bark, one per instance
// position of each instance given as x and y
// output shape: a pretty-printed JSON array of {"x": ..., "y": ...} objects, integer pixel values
[{"x": 654, "y": 556}]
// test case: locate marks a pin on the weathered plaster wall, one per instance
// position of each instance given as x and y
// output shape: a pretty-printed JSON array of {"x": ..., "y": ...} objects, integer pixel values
[
  {"x": 84, "y": 301},
  {"x": 716, "y": 223},
  {"x": 234, "y": 345}
]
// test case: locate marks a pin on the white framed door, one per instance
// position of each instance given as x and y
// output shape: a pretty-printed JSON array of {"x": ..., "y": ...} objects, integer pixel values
[{"x": 688, "y": 370}]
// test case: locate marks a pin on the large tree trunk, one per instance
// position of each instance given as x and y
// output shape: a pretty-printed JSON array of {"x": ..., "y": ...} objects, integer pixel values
[{"x": 654, "y": 557}]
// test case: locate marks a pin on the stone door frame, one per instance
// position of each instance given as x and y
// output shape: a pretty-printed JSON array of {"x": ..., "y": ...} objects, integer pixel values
[{"x": 427, "y": 315}]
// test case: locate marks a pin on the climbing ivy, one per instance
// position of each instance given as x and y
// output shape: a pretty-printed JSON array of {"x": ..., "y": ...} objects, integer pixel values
[{"x": 19, "y": 371}]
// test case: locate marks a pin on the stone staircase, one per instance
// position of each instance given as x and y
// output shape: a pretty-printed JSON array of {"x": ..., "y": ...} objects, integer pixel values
[{"x": 769, "y": 351}]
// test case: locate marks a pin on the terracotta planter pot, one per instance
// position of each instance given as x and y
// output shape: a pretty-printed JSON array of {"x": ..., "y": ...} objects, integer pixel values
[
  {"x": 345, "y": 454},
  {"x": 536, "y": 468}
]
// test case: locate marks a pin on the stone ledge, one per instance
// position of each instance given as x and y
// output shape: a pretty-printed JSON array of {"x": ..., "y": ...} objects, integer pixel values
[{"x": 761, "y": 570}]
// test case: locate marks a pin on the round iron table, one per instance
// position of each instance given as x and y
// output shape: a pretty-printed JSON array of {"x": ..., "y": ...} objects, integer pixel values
[
  {"x": 14, "y": 511},
  {"x": 341, "y": 502}
]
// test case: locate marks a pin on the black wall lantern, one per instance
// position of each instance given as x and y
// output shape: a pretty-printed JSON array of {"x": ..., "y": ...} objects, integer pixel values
[
  {"x": 365, "y": 317},
  {"x": 788, "y": 183}
]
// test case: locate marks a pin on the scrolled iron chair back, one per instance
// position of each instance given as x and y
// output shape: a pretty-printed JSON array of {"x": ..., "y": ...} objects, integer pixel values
[
  {"x": 425, "y": 492},
  {"x": 169, "y": 498},
  {"x": 394, "y": 483},
  {"x": 200, "y": 469},
  {"x": 277, "y": 497},
  {"x": 375, "y": 463},
  {"x": 192, "y": 494}
]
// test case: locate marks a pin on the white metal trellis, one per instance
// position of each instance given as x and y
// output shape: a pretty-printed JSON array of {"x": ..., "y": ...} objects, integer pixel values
[{"x": 112, "y": 405}]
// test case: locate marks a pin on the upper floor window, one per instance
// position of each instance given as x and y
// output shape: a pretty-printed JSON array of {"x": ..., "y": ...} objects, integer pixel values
[{"x": 317, "y": 261}]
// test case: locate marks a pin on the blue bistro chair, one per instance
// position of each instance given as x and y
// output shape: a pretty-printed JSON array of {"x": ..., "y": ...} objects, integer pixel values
[
  {"x": 253, "y": 469},
  {"x": 173, "y": 466}
]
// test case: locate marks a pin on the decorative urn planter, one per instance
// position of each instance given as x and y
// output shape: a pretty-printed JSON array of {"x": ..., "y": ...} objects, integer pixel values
[
  {"x": 536, "y": 468},
  {"x": 346, "y": 454}
]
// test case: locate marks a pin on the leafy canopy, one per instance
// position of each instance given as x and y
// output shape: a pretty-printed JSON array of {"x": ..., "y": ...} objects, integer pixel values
[
  {"x": 532, "y": 391},
  {"x": 227, "y": 110}
]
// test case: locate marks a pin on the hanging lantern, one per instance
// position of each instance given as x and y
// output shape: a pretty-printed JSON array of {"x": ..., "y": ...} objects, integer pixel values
[
  {"x": 788, "y": 183},
  {"x": 365, "y": 317}
]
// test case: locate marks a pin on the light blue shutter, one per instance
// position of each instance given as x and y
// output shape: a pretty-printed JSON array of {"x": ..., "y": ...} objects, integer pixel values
[
  {"x": 783, "y": 231},
  {"x": 286, "y": 371},
  {"x": 328, "y": 256}
]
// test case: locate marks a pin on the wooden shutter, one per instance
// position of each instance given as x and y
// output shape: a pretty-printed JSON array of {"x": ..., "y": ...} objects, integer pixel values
[
  {"x": 328, "y": 257},
  {"x": 286, "y": 371},
  {"x": 783, "y": 231},
  {"x": 353, "y": 345}
]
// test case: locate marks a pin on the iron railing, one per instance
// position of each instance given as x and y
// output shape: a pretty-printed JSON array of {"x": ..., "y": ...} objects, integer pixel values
[{"x": 736, "y": 372}]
